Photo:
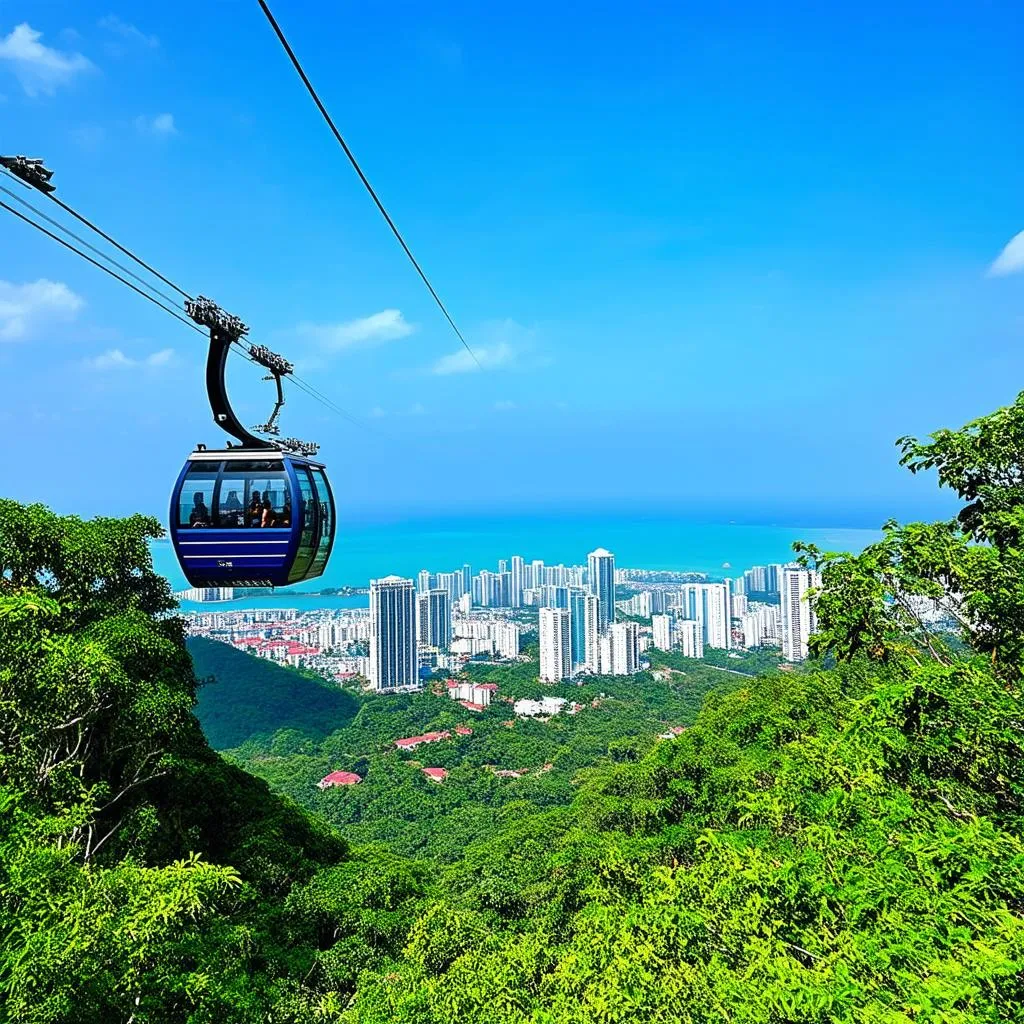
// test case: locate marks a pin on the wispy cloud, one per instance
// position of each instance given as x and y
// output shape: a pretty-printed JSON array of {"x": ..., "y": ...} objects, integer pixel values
[
  {"x": 115, "y": 359},
  {"x": 497, "y": 357},
  {"x": 387, "y": 325},
  {"x": 112, "y": 23},
  {"x": 499, "y": 345},
  {"x": 160, "y": 125},
  {"x": 25, "y": 309},
  {"x": 377, "y": 412},
  {"x": 504, "y": 405},
  {"x": 39, "y": 68},
  {"x": 1011, "y": 259}
]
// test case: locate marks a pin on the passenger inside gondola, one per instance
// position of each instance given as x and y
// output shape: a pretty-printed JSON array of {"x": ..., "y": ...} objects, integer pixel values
[
  {"x": 267, "y": 518},
  {"x": 232, "y": 510},
  {"x": 200, "y": 515},
  {"x": 255, "y": 514}
]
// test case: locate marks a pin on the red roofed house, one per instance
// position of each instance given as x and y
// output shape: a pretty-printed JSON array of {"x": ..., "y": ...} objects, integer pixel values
[
  {"x": 339, "y": 779},
  {"x": 470, "y": 706},
  {"x": 463, "y": 730},
  {"x": 412, "y": 742},
  {"x": 435, "y": 774}
]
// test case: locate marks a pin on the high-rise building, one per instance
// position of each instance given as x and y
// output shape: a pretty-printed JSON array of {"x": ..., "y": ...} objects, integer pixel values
[
  {"x": 625, "y": 648},
  {"x": 502, "y": 565},
  {"x": 434, "y": 619},
  {"x": 555, "y": 647},
  {"x": 392, "y": 633},
  {"x": 798, "y": 618},
  {"x": 690, "y": 637},
  {"x": 537, "y": 568},
  {"x": 490, "y": 589},
  {"x": 452, "y": 582},
  {"x": 578, "y": 628},
  {"x": 601, "y": 577},
  {"x": 504, "y": 591},
  {"x": 606, "y": 655},
  {"x": 467, "y": 578},
  {"x": 554, "y": 596},
  {"x": 708, "y": 603},
  {"x": 592, "y": 632},
  {"x": 465, "y": 603},
  {"x": 423, "y": 581},
  {"x": 662, "y": 632},
  {"x": 518, "y": 581}
]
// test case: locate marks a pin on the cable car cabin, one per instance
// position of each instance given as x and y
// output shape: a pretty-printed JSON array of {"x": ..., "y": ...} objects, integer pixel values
[{"x": 251, "y": 518}]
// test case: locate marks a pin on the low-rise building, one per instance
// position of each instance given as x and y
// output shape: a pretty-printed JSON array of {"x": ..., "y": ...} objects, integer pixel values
[{"x": 339, "y": 779}]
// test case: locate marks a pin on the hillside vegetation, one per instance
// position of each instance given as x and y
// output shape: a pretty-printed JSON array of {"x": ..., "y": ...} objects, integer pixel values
[
  {"x": 620, "y": 720},
  {"x": 244, "y": 697},
  {"x": 841, "y": 844}
]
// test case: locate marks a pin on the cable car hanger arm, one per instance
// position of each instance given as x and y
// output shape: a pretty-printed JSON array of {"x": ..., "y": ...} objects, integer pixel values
[{"x": 226, "y": 330}]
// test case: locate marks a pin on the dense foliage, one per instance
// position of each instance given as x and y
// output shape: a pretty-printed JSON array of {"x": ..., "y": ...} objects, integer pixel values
[
  {"x": 621, "y": 718},
  {"x": 839, "y": 844},
  {"x": 242, "y": 697}
]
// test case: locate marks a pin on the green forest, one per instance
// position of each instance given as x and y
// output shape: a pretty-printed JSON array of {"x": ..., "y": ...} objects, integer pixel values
[{"x": 840, "y": 843}]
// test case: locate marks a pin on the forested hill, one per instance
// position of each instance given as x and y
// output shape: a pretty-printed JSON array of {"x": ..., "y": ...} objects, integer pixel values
[
  {"x": 841, "y": 845},
  {"x": 242, "y": 697}
]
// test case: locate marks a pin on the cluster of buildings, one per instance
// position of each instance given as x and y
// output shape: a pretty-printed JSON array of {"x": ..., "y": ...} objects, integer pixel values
[
  {"x": 766, "y": 607},
  {"x": 413, "y": 629},
  {"x": 438, "y": 621}
]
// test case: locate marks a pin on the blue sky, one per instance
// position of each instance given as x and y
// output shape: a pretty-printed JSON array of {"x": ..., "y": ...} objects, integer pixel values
[{"x": 714, "y": 259}]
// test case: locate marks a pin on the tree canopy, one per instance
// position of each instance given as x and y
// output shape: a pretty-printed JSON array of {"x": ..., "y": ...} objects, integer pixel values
[{"x": 837, "y": 844}]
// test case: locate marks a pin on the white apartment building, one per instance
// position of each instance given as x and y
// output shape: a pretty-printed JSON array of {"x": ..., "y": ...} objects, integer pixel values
[
  {"x": 798, "y": 618},
  {"x": 393, "y": 633},
  {"x": 434, "y": 619},
  {"x": 662, "y": 632},
  {"x": 592, "y": 632},
  {"x": 625, "y": 648},
  {"x": 690, "y": 638},
  {"x": 709, "y": 604},
  {"x": 555, "y": 645}
]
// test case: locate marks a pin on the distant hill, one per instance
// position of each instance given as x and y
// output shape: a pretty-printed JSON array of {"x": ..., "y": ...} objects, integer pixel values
[{"x": 252, "y": 697}]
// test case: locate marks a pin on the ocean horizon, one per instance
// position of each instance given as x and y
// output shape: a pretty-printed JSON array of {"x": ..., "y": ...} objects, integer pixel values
[{"x": 365, "y": 550}]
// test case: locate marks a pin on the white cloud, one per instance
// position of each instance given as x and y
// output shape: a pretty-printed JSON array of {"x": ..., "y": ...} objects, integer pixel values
[
  {"x": 496, "y": 357},
  {"x": 115, "y": 359},
  {"x": 417, "y": 409},
  {"x": 112, "y": 23},
  {"x": 27, "y": 308},
  {"x": 1011, "y": 259},
  {"x": 377, "y": 412},
  {"x": 162, "y": 124},
  {"x": 504, "y": 405},
  {"x": 40, "y": 69},
  {"x": 387, "y": 325},
  {"x": 498, "y": 345}
]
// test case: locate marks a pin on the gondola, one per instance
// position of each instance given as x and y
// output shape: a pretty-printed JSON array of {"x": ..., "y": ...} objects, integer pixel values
[{"x": 257, "y": 514}]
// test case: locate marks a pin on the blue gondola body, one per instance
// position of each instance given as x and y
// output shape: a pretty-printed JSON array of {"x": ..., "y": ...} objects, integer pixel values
[{"x": 222, "y": 539}]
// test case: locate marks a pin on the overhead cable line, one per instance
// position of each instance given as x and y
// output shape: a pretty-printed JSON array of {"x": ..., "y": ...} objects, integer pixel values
[
  {"x": 95, "y": 263},
  {"x": 362, "y": 177},
  {"x": 39, "y": 180},
  {"x": 81, "y": 241}
]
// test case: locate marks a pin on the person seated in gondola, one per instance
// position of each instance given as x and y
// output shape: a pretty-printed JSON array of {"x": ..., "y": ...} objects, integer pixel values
[
  {"x": 200, "y": 515},
  {"x": 255, "y": 511},
  {"x": 232, "y": 510},
  {"x": 285, "y": 518},
  {"x": 267, "y": 518}
]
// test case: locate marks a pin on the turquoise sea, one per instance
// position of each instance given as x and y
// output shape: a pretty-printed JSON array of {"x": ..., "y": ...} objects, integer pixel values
[{"x": 364, "y": 551}]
